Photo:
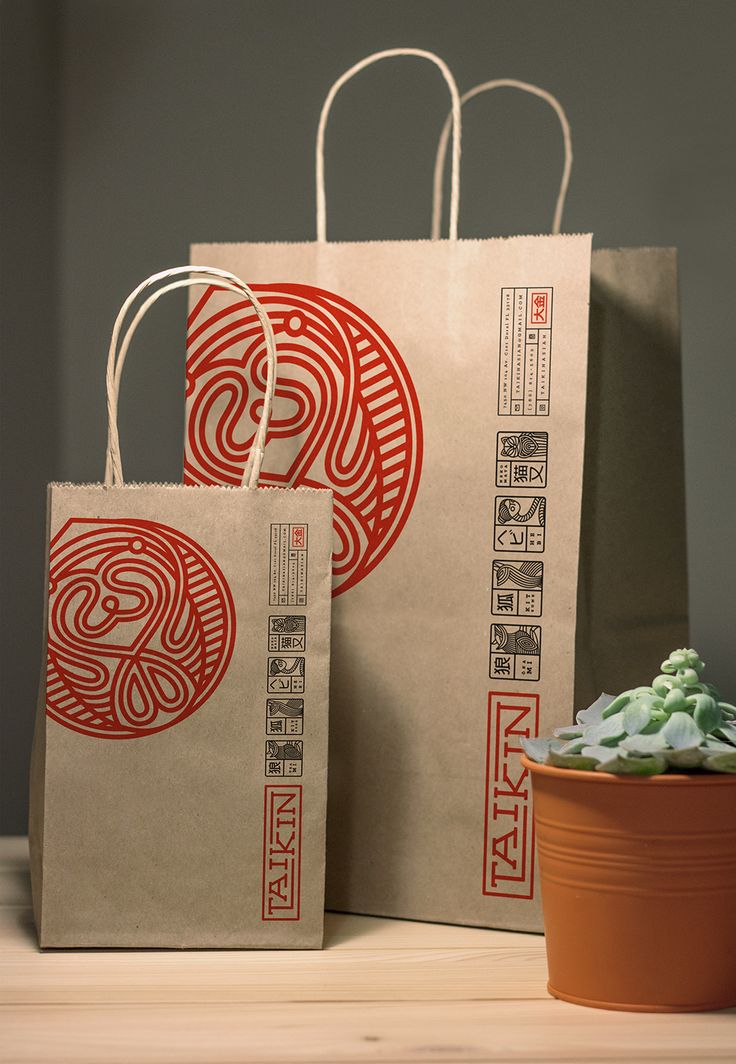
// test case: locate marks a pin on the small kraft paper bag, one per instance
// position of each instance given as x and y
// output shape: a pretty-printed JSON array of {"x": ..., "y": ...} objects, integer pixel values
[
  {"x": 439, "y": 388},
  {"x": 633, "y": 579},
  {"x": 179, "y": 768}
]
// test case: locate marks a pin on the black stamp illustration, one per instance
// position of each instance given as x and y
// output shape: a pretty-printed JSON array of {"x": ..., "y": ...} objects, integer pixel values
[
  {"x": 284, "y": 716},
  {"x": 285, "y": 676},
  {"x": 288, "y": 565},
  {"x": 515, "y": 651},
  {"x": 521, "y": 459},
  {"x": 287, "y": 633},
  {"x": 284, "y": 758},
  {"x": 516, "y": 588},
  {"x": 519, "y": 523},
  {"x": 525, "y": 351}
]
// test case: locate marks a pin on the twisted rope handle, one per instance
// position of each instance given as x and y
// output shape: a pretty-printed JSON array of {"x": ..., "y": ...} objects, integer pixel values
[
  {"x": 487, "y": 86},
  {"x": 454, "y": 115},
  {"x": 203, "y": 275}
]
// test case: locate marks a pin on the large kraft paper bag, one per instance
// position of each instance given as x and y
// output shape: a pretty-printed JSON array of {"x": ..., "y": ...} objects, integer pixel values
[
  {"x": 633, "y": 578},
  {"x": 439, "y": 389},
  {"x": 179, "y": 768}
]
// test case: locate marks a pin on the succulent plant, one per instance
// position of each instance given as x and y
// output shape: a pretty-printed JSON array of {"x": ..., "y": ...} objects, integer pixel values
[{"x": 678, "y": 723}]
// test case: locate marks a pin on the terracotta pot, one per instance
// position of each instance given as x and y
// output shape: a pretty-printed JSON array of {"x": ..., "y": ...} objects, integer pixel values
[{"x": 638, "y": 882}]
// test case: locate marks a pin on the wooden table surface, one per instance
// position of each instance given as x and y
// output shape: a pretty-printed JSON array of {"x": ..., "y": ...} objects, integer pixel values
[{"x": 381, "y": 990}]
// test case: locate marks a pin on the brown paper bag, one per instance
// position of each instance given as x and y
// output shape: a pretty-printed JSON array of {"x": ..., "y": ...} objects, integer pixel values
[
  {"x": 439, "y": 388},
  {"x": 633, "y": 579},
  {"x": 179, "y": 767}
]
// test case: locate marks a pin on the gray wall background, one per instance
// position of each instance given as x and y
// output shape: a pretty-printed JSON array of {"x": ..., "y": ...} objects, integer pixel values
[{"x": 129, "y": 129}]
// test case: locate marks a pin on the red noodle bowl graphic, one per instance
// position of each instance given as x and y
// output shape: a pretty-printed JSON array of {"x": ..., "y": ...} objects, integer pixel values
[
  {"x": 346, "y": 414},
  {"x": 141, "y": 627}
]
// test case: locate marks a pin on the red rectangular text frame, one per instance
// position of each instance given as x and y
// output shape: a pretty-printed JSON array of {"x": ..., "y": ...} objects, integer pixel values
[
  {"x": 539, "y": 307},
  {"x": 282, "y": 852},
  {"x": 508, "y": 846}
]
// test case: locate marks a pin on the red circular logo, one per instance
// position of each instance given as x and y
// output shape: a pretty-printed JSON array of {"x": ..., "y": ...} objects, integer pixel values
[
  {"x": 346, "y": 414},
  {"x": 141, "y": 627}
]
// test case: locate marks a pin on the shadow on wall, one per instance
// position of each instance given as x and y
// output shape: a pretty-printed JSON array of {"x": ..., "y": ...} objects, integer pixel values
[
  {"x": 632, "y": 594},
  {"x": 29, "y": 403}
]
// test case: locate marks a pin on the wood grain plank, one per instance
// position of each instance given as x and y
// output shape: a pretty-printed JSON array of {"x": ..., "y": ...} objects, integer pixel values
[
  {"x": 134, "y": 978},
  {"x": 384, "y": 991},
  {"x": 342, "y": 931},
  {"x": 498, "y": 1032}
]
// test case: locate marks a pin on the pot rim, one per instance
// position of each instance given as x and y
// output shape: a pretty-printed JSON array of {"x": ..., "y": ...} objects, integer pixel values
[{"x": 664, "y": 779}]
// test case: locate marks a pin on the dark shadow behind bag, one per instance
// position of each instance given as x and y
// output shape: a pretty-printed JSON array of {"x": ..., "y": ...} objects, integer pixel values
[{"x": 632, "y": 592}]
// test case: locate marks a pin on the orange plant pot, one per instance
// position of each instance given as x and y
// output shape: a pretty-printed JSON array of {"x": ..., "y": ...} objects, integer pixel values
[{"x": 638, "y": 880}]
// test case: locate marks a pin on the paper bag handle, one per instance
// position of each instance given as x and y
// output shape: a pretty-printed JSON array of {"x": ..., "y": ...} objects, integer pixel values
[
  {"x": 203, "y": 275},
  {"x": 454, "y": 117},
  {"x": 487, "y": 86}
]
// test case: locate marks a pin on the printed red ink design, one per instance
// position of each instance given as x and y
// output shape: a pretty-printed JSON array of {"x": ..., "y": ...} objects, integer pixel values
[
  {"x": 346, "y": 414},
  {"x": 141, "y": 627},
  {"x": 540, "y": 305},
  {"x": 508, "y": 847},
  {"x": 282, "y": 852}
]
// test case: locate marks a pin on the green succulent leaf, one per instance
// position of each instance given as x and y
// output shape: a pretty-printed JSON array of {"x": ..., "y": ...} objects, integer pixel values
[
  {"x": 716, "y": 744},
  {"x": 693, "y": 757},
  {"x": 594, "y": 712},
  {"x": 675, "y": 701},
  {"x": 658, "y": 721},
  {"x": 690, "y": 678},
  {"x": 678, "y": 723},
  {"x": 607, "y": 732},
  {"x": 722, "y": 762},
  {"x": 693, "y": 692},
  {"x": 683, "y": 659},
  {"x": 645, "y": 744},
  {"x": 614, "y": 765},
  {"x": 585, "y": 764},
  {"x": 617, "y": 704},
  {"x": 574, "y": 746},
  {"x": 636, "y": 766},
  {"x": 682, "y": 732},
  {"x": 536, "y": 749},
  {"x": 571, "y": 731},
  {"x": 726, "y": 730},
  {"x": 662, "y": 685},
  {"x": 600, "y": 754},
  {"x": 706, "y": 714},
  {"x": 636, "y": 716},
  {"x": 641, "y": 766}
]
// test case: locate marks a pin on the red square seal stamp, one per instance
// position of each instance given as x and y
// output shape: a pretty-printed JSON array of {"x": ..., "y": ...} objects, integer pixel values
[
  {"x": 539, "y": 307},
  {"x": 282, "y": 852},
  {"x": 508, "y": 849}
]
